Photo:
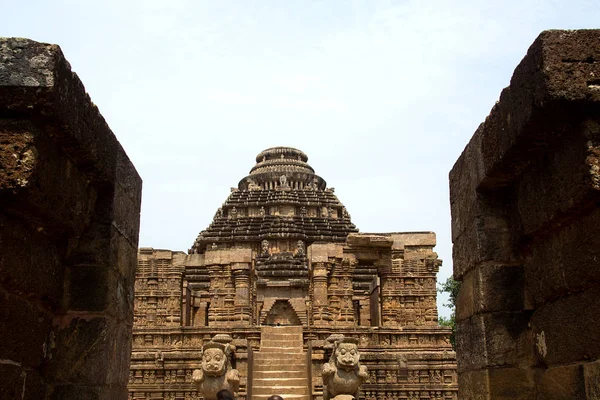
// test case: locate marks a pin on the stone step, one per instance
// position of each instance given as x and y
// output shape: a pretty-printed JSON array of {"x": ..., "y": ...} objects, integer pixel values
[
  {"x": 285, "y": 396},
  {"x": 277, "y": 374},
  {"x": 283, "y": 361},
  {"x": 269, "y": 365},
  {"x": 282, "y": 336},
  {"x": 283, "y": 357},
  {"x": 282, "y": 329},
  {"x": 287, "y": 389},
  {"x": 280, "y": 365},
  {"x": 280, "y": 350},
  {"x": 285, "y": 380},
  {"x": 283, "y": 343}
]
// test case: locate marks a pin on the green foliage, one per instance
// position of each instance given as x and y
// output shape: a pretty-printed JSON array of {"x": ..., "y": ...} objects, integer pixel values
[{"x": 451, "y": 287}]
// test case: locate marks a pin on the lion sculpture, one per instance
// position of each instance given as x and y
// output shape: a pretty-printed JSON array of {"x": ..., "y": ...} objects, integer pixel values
[
  {"x": 216, "y": 372},
  {"x": 343, "y": 374}
]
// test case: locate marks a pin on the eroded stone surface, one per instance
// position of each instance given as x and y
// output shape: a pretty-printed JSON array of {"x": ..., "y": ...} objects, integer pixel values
[
  {"x": 524, "y": 199},
  {"x": 66, "y": 287}
]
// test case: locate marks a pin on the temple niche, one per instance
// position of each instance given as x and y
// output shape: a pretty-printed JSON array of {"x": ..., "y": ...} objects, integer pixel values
[{"x": 280, "y": 269}]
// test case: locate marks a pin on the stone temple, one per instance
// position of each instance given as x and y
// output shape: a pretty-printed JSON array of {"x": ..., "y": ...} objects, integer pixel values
[{"x": 280, "y": 272}]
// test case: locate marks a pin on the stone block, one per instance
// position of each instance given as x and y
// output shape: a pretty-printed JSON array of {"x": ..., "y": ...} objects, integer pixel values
[
  {"x": 511, "y": 383},
  {"x": 566, "y": 330},
  {"x": 491, "y": 288},
  {"x": 369, "y": 240},
  {"x": 402, "y": 239},
  {"x": 67, "y": 392},
  {"x": 123, "y": 255},
  {"x": 46, "y": 188},
  {"x": 126, "y": 215},
  {"x": 561, "y": 383},
  {"x": 591, "y": 376},
  {"x": 489, "y": 240},
  {"x": 86, "y": 351},
  {"x": 474, "y": 385},
  {"x": 29, "y": 262},
  {"x": 13, "y": 380},
  {"x": 99, "y": 289},
  {"x": 560, "y": 182},
  {"x": 508, "y": 339},
  {"x": 564, "y": 260},
  {"x": 318, "y": 252},
  {"x": 470, "y": 344},
  {"x": 25, "y": 336}
]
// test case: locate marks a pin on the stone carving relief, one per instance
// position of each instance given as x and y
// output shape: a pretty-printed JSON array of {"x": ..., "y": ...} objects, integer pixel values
[
  {"x": 301, "y": 251},
  {"x": 216, "y": 372},
  {"x": 265, "y": 247},
  {"x": 343, "y": 374}
]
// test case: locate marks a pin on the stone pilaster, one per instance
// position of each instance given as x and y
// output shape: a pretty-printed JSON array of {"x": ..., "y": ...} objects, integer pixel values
[{"x": 241, "y": 281}]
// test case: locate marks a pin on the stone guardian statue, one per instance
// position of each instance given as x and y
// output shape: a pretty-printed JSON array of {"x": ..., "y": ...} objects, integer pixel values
[
  {"x": 343, "y": 374},
  {"x": 216, "y": 372}
]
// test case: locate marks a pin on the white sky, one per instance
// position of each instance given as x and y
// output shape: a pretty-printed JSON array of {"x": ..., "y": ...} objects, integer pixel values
[{"x": 381, "y": 95}]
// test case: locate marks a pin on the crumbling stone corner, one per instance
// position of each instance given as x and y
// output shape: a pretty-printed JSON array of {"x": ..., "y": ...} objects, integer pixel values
[
  {"x": 526, "y": 231},
  {"x": 69, "y": 221}
]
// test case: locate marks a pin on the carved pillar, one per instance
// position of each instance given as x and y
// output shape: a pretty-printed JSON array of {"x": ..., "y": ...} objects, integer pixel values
[
  {"x": 341, "y": 292},
  {"x": 221, "y": 311},
  {"x": 241, "y": 277},
  {"x": 320, "y": 310}
]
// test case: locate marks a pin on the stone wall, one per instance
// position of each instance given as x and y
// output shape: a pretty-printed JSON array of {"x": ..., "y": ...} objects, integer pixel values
[
  {"x": 526, "y": 231},
  {"x": 69, "y": 221}
]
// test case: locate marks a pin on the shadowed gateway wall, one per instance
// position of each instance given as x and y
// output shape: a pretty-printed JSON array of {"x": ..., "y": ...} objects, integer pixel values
[
  {"x": 526, "y": 231},
  {"x": 282, "y": 250},
  {"x": 69, "y": 221}
]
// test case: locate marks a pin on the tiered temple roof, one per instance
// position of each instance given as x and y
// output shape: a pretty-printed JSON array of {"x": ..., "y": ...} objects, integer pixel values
[{"x": 281, "y": 198}]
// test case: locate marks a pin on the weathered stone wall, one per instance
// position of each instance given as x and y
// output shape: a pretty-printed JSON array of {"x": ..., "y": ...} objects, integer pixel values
[
  {"x": 69, "y": 221},
  {"x": 526, "y": 231}
]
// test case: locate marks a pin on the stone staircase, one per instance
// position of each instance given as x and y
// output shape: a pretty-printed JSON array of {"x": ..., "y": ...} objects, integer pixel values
[{"x": 280, "y": 365}]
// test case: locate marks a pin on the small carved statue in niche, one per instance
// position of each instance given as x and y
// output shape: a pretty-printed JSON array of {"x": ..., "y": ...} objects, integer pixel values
[
  {"x": 262, "y": 212},
  {"x": 343, "y": 374},
  {"x": 301, "y": 252},
  {"x": 283, "y": 183},
  {"x": 216, "y": 372},
  {"x": 252, "y": 185},
  {"x": 303, "y": 211},
  {"x": 265, "y": 247},
  {"x": 233, "y": 213}
]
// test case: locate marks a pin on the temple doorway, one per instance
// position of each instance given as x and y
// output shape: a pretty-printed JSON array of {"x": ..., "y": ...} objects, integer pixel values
[{"x": 282, "y": 313}]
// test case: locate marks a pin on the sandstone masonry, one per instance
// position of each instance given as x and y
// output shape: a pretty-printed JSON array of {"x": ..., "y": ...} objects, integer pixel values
[
  {"x": 526, "y": 231},
  {"x": 69, "y": 221}
]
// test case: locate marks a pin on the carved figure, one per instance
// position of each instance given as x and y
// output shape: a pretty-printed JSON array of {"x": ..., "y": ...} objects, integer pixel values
[
  {"x": 262, "y": 212},
  {"x": 253, "y": 185},
  {"x": 265, "y": 247},
  {"x": 301, "y": 251},
  {"x": 216, "y": 373},
  {"x": 343, "y": 374},
  {"x": 233, "y": 213}
]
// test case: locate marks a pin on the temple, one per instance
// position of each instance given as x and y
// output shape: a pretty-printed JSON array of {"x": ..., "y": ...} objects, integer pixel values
[{"x": 279, "y": 272}]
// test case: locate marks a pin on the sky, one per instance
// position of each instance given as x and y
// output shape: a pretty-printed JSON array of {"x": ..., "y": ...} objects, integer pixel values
[{"x": 382, "y": 96}]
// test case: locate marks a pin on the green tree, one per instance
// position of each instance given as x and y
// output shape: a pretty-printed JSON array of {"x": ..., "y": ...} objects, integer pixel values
[{"x": 451, "y": 287}]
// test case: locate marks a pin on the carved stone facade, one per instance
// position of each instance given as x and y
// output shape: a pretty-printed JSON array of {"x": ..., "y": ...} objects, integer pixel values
[{"x": 283, "y": 252}]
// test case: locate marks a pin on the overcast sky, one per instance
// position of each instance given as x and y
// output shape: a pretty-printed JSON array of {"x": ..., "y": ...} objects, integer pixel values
[{"x": 381, "y": 95}]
